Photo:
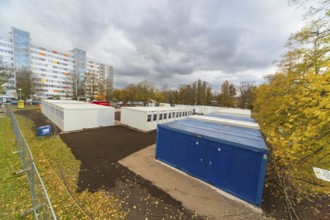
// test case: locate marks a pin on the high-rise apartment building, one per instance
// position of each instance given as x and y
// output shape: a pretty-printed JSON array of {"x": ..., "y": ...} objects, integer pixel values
[{"x": 52, "y": 67}]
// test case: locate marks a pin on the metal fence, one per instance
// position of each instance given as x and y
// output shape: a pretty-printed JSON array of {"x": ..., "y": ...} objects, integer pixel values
[{"x": 41, "y": 205}]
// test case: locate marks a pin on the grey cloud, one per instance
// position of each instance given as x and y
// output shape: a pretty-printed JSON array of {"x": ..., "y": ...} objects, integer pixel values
[{"x": 162, "y": 41}]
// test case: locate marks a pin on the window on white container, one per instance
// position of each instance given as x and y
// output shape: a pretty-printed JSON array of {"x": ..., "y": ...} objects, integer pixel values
[
  {"x": 149, "y": 118},
  {"x": 160, "y": 116},
  {"x": 155, "y": 117},
  {"x": 165, "y": 115},
  {"x": 169, "y": 115}
]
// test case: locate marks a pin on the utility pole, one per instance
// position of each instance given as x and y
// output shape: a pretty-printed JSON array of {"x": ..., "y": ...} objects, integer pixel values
[{"x": 20, "y": 94}]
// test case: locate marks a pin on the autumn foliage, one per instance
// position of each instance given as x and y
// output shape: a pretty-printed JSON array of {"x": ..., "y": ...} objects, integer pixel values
[{"x": 293, "y": 109}]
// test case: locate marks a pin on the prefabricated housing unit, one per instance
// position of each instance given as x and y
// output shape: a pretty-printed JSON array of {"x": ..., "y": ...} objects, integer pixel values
[
  {"x": 234, "y": 111},
  {"x": 230, "y": 157},
  {"x": 147, "y": 118},
  {"x": 231, "y": 116},
  {"x": 204, "y": 109},
  {"x": 227, "y": 121},
  {"x": 71, "y": 115}
]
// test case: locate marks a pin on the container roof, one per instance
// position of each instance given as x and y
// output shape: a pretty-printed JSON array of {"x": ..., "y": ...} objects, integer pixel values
[
  {"x": 234, "y": 122},
  {"x": 81, "y": 106},
  {"x": 246, "y": 138},
  {"x": 72, "y": 104},
  {"x": 64, "y": 101},
  {"x": 156, "y": 109},
  {"x": 235, "y": 111},
  {"x": 230, "y": 116}
]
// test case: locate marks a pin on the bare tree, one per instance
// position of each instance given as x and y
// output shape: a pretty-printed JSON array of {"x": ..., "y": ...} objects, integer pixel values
[
  {"x": 25, "y": 80},
  {"x": 73, "y": 85},
  {"x": 108, "y": 89},
  {"x": 90, "y": 85},
  {"x": 247, "y": 96}
]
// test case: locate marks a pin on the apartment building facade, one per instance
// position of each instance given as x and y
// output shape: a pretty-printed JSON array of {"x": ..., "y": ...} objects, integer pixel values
[{"x": 53, "y": 68}]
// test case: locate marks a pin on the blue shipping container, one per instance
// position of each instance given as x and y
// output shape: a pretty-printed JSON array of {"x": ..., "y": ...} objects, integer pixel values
[
  {"x": 44, "y": 130},
  {"x": 231, "y": 158}
]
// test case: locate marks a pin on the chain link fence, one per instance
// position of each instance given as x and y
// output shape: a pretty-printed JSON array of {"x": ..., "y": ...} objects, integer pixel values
[{"x": 41, "y": 205}]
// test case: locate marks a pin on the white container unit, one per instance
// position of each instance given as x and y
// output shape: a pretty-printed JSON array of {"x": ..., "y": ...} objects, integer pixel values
[
  {"x": 232, "y": 122},
  {"x": 147, "y": 118},
  {"x": 234, "y": 111},
  {"x": 205, "y": 110},
  {"x": 71, "y": 115}
]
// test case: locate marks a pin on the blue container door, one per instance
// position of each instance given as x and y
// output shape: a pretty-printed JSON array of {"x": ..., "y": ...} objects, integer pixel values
[
  {"x": 196, "y": 159},
  {"x": 218, "y": 165},
  {"x": 171, "y": 147},
  {"x": 177, "y": 149},
  {"x": 244, "y": 176},
  {"x": 163, "y": 150}
]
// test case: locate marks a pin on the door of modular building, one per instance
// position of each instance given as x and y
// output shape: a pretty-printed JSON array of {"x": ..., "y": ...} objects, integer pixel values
[
  {"x": 196, "y": 158},
  {"x": 218, "y": 164},
  {"x": 178, "y": 149}
]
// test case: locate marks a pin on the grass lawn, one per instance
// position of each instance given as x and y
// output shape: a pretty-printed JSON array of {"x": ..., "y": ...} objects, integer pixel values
[
  {"x": 59, "y": 171},
  {"x": 15, "y": 195},
  {"x": 27, "y": 107}
]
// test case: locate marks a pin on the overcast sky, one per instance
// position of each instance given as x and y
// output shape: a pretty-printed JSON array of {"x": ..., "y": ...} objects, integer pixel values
[{"x": 165, "y": 42}]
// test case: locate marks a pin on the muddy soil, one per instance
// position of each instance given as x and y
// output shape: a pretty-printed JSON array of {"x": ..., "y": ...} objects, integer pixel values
[
  {"x": 99, "y": 151},
  {"x": 117, "y": 116}
]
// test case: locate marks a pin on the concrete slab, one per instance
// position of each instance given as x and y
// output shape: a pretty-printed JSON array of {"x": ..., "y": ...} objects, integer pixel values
[{"x": 194, "y": 194}]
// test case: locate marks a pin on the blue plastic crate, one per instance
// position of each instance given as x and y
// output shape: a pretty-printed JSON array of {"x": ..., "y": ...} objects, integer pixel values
[{"x": 44, "y": 130}]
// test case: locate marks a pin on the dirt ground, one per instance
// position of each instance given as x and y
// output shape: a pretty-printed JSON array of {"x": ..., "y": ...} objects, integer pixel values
[
  {"x": 100, "y": 149},
  {"x": 117, "y": 115},
  {"x": 193, "y": 193},
  {"x": 39, "y": 119},
  {"x": 275, "y": 205}
]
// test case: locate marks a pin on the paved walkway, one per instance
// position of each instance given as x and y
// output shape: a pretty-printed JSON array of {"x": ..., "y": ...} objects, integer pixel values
[{"x": 194, "y": 194}]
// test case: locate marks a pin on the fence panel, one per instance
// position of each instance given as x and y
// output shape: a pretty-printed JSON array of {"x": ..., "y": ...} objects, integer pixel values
[{"x": 41, "y": 205}]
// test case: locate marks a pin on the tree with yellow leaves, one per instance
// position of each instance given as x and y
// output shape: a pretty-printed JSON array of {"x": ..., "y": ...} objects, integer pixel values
[{"x": 293, "y": 109}]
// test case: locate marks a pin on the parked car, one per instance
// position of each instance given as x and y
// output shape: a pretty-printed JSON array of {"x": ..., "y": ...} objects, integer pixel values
[
  {"x": 35, "y": 102},
  {"x": 28, "y": 101},
  {"x": 13, "y": 102},
  {"x": 120, "y": 104}
]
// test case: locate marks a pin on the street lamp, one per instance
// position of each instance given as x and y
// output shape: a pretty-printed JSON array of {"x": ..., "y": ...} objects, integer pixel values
[{"x": 20, "y": 94}]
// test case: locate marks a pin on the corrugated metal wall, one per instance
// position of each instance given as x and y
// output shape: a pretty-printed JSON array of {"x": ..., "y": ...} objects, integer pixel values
[{"x": 223, "y": 162}]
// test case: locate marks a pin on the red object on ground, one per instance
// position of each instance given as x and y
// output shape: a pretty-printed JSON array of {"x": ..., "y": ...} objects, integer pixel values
[{"x": 105, "y": 103}]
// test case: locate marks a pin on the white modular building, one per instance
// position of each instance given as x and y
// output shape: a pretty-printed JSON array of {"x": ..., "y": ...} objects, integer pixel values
[
  {"x": 234, "y": 111},
  {"x": 71, "y": 115},
  {"x": 227, "y": 121},
  {"x": 204, "y": 109},
  {"x": 147, "y": 118}
]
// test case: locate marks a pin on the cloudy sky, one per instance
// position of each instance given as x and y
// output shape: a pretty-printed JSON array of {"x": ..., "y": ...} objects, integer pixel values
[{"x": 169, "y": 42}]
